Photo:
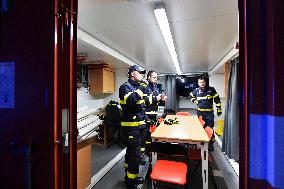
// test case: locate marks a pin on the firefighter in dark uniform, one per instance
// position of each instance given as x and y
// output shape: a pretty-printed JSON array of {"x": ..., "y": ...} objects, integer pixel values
[
  {"x": 133, "y": 124},
  {"x": 152, "y": 92},
  {"x": 204, "y": 97}
]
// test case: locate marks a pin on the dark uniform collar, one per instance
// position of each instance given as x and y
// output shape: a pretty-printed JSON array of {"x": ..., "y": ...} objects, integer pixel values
[
  {"x": 133, "y": 82},
  {"x": 152, "y": 85},
  {"x": 204, "y": 89}
]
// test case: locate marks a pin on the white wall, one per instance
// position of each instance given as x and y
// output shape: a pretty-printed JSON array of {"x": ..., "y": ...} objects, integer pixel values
[
  {"x": 217, "y": 81},
  {"x": 85, "y": 98},
  {"x": 101, "y": 100}
]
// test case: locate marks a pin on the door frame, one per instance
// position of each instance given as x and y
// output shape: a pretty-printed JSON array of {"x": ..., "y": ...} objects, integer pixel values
[
  {"x": 65, "y": 52},
  {"x": 244, "y": 97}
]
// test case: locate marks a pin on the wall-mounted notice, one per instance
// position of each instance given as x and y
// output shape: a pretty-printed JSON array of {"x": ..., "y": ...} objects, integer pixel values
[{"x": 7, "y": 84}]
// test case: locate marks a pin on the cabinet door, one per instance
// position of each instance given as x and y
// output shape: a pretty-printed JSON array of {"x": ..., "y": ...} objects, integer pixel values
[
  {"x": 96, "y": 81},
  {"x": 108, "y": 80}
]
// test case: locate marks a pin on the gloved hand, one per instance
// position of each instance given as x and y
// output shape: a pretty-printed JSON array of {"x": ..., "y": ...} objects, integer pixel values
[
  {"x": 195, "y": 101},
  {"x": 143, "y": 83},
  {"x": 219, "y": 112},
  {"x": 150, "y": 122}
]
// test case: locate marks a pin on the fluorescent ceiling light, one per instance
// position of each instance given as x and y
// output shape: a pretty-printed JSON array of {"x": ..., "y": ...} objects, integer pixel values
[{"x": 163, "y": 22}]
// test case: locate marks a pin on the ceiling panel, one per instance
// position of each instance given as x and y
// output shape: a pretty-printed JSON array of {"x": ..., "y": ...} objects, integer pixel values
[
  {"x": 220, "y": 70},
  {"x": 203, "y": 44},
  {"x": 96, "y": 56},
  {"x": 203, "y": 30}
]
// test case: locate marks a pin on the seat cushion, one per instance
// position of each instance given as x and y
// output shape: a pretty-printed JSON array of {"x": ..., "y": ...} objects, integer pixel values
[
  {"x": 195, "y": 155},
  {"x": 170, "y": 172},
  {"x": 183, "y": 113},
  {"x": 152, "y": 128}
]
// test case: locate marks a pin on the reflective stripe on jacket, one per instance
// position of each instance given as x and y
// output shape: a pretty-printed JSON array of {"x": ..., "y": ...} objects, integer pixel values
[
  {"x": 204, "y": 99},
  {"x": 152, "y": 93}
]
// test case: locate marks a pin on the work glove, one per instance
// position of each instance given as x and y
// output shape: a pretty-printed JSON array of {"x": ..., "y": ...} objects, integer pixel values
[
  {"x": 150, "y": 122},
  {"x": 195, "y": 101},
  {"x": 143, "y": 83},
  {"x": 171, "y": 121},
  {"x": 219, "y": 112}
]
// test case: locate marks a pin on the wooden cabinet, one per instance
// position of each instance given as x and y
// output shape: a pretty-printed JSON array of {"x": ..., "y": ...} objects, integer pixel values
[{"x": 101, "y": 79}]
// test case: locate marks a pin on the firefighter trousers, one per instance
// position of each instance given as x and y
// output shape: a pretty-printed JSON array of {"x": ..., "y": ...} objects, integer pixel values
[{"x": 132, "y": 138}]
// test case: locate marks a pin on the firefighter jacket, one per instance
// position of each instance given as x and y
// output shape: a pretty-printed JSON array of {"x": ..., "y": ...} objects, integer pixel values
[
  {"x": 152, "y": 92},
  {"x": 132, "y": 103},
  {"x": 204, "y": 99}
]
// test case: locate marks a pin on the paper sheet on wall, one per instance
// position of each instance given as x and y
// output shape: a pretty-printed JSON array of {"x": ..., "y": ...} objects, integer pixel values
[{"x": 7, "y": 85}]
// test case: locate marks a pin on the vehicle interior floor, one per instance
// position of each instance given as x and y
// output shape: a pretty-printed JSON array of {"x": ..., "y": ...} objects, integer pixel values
[
  {"x": 224, "y": 175},
  {"x": 102, "y": 155}
]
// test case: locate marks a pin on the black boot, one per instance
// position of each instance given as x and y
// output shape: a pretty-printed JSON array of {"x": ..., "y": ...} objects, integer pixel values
[
  {"x": 137, "y": 181},
  {"x": 130, "y": 185}
]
